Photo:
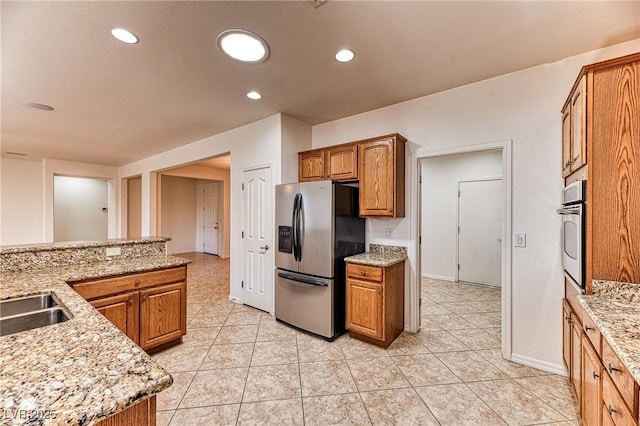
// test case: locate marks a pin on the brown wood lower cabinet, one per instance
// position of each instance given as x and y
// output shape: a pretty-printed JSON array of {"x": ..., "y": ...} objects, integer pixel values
[
  {"x": 375, "y": 302},
  {"x": 161, "y": 314},
  {"x": 591, "y": 385},
  {"x": 150, "y": 308},
  {"x": 122, "y": 310},
  {"x": 605, "y": 390},
  {"x": 141, "y": 414}
]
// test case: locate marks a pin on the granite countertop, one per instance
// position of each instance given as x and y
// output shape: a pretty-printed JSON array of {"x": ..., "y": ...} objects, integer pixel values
[
  {"x": 379, "y": 255},
  {"x": 614, "y": 308},
  {"x": 81, "y": 244},
  {"x": 82, "y": 370}
]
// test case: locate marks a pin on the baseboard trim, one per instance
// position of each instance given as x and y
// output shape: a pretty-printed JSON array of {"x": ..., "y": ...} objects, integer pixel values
[
  {"x": 540, "y": 365},
  {"x": 235, "y": 299},
  {"x": 438, "y": 277}
]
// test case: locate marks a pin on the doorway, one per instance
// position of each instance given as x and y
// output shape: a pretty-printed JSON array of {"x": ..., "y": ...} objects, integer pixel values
[
  {"x": 210, "y": 215},
  {"x": 134, "y": 207},
  {"x": 437, "y": 210},
  {"x": 80, "y": 208}
]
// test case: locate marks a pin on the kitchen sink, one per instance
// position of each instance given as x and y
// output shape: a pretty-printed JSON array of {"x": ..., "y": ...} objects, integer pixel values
[
  {"x": 27, "y": 313},
  {"x": 26, "y": 304}
]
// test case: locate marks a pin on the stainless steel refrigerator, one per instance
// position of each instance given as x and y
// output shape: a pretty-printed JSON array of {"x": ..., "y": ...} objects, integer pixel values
[{"x": 317, "y": 226}]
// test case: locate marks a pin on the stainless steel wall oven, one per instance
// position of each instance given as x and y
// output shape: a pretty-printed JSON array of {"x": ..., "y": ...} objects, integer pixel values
[{"x": 573, "y": 229}]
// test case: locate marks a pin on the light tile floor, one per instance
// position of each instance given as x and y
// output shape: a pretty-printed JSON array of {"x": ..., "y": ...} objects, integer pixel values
[{"x": 237, "y": 365}]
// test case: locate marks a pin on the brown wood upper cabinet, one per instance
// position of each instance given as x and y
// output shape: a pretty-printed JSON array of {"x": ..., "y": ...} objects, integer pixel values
[
  {"x": 377, "y": 163},
  {"x": 342, "y": 162},
  {"x": 601, "y": 128},
  {"x": 574, "y": 129},
  {"x": 381, "y": 175},
  {"x": 311, "y": 165}
]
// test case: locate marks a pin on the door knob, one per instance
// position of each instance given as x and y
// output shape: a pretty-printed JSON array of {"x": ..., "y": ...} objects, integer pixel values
[{"x": 265, "y": 247}]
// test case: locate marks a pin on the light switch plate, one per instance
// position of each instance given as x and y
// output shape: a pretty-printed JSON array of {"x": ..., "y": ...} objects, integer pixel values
[
  {"x": 113, "y": 251},
  {"x": 519, "y": 240}
]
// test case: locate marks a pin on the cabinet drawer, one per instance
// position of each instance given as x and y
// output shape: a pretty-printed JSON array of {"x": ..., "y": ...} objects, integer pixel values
[
  {"x": 364, "y": 272},
  {"x": 620, "y": 376},
  {"x": 104, "y": 287},
  {"x": 593, "y": 333},
  {"x": 614, "y": 410}
]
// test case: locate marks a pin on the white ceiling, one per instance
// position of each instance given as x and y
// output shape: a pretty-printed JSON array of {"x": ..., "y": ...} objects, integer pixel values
[{"x": 117, "y": 103}]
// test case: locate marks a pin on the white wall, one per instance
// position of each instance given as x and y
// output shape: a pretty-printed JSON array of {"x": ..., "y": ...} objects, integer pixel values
[
  {"x": 296, "y": 137},
  {"x": 178, "y": 206},
  {"x": 258, "y": 143},
  {"x": 525, "y": 107},
  {"x": 22, "y": 201},
  {"x": 77, "y": 209},
  {"x": 440, "y": 176},
  {"x": 26, "y": 187}
]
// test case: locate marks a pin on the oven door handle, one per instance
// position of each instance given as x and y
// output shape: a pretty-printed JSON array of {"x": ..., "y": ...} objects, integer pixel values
[{"x": 567, "y": 212}]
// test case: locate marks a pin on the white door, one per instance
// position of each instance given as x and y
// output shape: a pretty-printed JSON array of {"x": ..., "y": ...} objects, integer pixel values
[
  {"x": 480, "y": 231},
  {"x": 211, "y": 218},
  {"x": 258, "y": 231}
]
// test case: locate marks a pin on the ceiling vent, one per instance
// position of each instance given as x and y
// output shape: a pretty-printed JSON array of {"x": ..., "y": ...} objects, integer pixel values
[{"x": 316, "y": 3}]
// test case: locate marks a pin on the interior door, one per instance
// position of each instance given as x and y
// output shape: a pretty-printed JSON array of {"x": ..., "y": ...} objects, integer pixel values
[
  {"x": 211, "y": 223},
  {"x": 480, "y": 231},
  {"x": 258, "y": 231}
]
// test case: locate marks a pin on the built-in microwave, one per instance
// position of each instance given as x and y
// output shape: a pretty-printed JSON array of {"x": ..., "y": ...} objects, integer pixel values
[{"x": 573, "y": 228}]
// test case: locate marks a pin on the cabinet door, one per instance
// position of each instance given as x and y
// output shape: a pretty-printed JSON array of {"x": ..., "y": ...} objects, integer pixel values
[
  {"x": 614, "y": 410},
  {"x": 578, "y": 125},
  {"x": 566, "y": 142},
  {"x": 311, "y": 165},
  {"x": 576, "y": 357},
  {"x": 364, "y": 308},
  {"x": 163, "y": 314},
  {"x": 566, "y": 335},
  {"x": 342, "y": 162},
  {"x": 591, "y": 385},
  {"x": 375, "y": 164},
  {"x": 122, "y": 311}
]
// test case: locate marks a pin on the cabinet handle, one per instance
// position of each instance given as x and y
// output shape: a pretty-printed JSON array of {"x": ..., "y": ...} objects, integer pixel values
[
  {"x": 568, "y": 319},
  {"x": 612, "y": 410},
  {"x": 390, "y": 210},
  {"x": 612, "y": 368},
  {"x": 596, "y": 376},
  {"x": 137, "y": 282},
  {"x": 363, "y": 273},
  {"x": 144, "y": 297},
  {"x": 130, "y": 301},
  {"x": 378, "y": 290},
  {"x": 587, "y": 328}
]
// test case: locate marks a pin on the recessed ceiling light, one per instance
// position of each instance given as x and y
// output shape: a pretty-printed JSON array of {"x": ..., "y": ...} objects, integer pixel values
[
  {"x": 40, "y": 107},
  {"x": 254, "y": 95},
  {"x": 243, "y": 45},
  {"x": 124, "y": 35},
  {"x": 345, "y": 55}
]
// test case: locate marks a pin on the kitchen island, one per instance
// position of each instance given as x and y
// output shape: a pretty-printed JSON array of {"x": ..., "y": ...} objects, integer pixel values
[{"x": 81, "y": 371}]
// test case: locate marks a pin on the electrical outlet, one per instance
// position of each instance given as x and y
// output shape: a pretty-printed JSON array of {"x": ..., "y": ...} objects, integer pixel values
[
  {"x": 113, "y": 251},
  {"x": 520, "y": 240},
  {"x": 389, "y": 232}
]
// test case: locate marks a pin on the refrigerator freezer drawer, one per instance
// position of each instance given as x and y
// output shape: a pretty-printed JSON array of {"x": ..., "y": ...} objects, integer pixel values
[{"x": 305, "y": 302}]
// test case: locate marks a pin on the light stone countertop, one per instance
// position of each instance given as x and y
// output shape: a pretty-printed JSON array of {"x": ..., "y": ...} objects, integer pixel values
[
  {"x": 379, "y": 255},
  {"x": 82, "y": 370},
  {"x": 614, "y": 308}
]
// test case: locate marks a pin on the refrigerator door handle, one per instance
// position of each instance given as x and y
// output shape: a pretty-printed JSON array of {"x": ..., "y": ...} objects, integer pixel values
[
  {"x": 294, "y": 220},
  {"x": 301, "y": 279},
  {"x": 300, "y": 231}
]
